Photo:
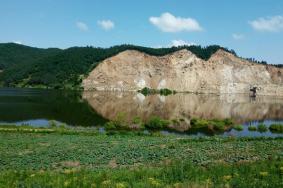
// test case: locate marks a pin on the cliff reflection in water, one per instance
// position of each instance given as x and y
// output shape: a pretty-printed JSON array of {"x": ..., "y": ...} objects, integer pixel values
[{"x": 240, "y": 108}]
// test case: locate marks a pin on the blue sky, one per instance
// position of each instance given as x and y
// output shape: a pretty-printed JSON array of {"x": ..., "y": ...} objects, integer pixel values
[{"x": 253, "y": 28}]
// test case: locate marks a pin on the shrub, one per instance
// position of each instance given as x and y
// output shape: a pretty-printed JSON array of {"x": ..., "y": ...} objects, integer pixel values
[
  {"x": 137, "y": 123},
  {"x": 137, "y": 120},
  {"x": 252, "y": 128},
  {"x": 110, "y": 126},
  {"x": 218, "y": 124},
  {"x": 238, "y": 127},
  {"x": 148, "y": 91},
  {"x": 278, "y": 128},
  {"x": 199, "y": 123},
  {"x": 228, "y": 121},
  {"x": 52, "y": 124},
  {"x": 157, "y": 123},
  {"x": 219, "y": 127},
  {"x": 119, "y": 122},
  {"x": 262, "y": 128}
]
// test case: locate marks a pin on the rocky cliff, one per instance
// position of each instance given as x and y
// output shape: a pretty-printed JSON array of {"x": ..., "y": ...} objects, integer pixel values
[{"x": 184, "y": 72}]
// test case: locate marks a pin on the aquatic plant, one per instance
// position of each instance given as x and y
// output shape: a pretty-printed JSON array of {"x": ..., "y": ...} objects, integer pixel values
[
  {"x": 221, "y": 125},
  {"x": 199, "y": 123},
  {"x": 276, "y": 128},
  {"x": 215, "y": 124},
  {"x": 252, "y": 128},
  {"x": 157, "y": 123},
  {"x": 238, "y": 127},
  {"x": 262, "y": 128}
]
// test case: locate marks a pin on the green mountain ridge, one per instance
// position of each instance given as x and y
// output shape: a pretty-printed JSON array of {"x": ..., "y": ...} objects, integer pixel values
[{"x": 24, "y": 66}]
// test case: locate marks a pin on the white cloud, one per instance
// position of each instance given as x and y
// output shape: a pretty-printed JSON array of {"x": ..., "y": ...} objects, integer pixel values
[
  {"x": 17, "y": 42},
  {"x": 270, "y": 24},
  {"x": 106, "y": 24},
  {"x": 238, "y": 36},
  {"x": 169, "y": 23},
  {"x": 177, "y": 43},
  {"x": 82, "y": 26}
]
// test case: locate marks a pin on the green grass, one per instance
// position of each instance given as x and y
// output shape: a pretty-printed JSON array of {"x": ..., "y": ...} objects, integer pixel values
[
  {"x": 63, "y": 157},
  {"x": 176, "y": 174}
]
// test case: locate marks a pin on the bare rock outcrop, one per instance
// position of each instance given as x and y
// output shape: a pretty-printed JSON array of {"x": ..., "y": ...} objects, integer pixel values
[{"x": 184, "y": 72}]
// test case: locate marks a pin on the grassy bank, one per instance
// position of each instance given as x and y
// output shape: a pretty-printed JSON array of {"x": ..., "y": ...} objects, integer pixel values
[
  {"x": 176, "y": 175},
  {"x": 83, "y": 158}
]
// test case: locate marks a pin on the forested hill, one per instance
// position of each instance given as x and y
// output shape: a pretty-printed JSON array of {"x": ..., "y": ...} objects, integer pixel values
[
  {"x": 12, "y": 54},
  {"x": 24, "y": 66}
]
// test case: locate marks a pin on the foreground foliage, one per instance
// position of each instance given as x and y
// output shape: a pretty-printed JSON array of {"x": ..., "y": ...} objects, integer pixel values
[
  {"x": 175, "y": 175},
  {"x": 55, "y": 149},
  {"x": 83, "y": 157}
]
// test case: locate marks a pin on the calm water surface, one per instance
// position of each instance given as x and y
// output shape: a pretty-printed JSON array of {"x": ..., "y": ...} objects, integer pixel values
[{"x": 37, "y": 107}]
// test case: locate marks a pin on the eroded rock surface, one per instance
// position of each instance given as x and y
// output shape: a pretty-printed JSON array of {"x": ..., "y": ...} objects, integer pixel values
[{"x": 184, "y": 72}]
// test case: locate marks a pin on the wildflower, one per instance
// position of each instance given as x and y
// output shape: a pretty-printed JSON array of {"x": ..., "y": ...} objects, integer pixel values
[
  {"x": 263, "y": 174},
  {"x": 106, "y": 183},
  {"x": 68, "y": 171},
  {"x": 154, "y": 182},
  {"x": 66, "y": 183},
  {"x": 208, "y": 181},
  {"x": 227, "y": 177}
]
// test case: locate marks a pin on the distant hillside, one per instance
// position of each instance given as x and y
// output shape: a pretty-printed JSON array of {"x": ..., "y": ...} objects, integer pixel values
[
  {"x": 25, "y": 66},
  {"x": 13, "y": 54}
]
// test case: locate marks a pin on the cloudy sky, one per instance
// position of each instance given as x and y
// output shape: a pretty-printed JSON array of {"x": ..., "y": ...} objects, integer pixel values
[{"x": 253, "y": 28}]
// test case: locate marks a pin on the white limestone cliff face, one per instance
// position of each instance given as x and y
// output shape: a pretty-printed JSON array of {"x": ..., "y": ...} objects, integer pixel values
[{"x": 184, "y": 72}]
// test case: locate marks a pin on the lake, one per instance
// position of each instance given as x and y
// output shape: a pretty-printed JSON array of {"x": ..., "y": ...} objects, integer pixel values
[{"x": 37, "y": 107}]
